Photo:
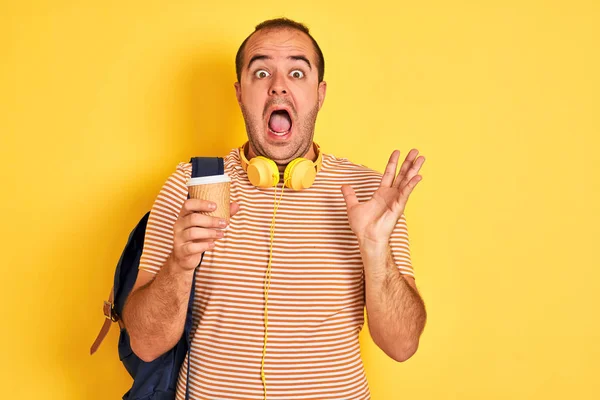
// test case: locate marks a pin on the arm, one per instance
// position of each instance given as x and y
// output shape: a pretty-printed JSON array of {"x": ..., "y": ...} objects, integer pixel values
[
  {"x": 395, "y": 312},
  {"x": 155, "y": 311}
]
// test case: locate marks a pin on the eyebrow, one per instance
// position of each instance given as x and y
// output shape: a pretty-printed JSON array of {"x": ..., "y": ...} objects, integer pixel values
[
  {"x": 301, "y": 58},
  {"x": 260, "y": 57}
]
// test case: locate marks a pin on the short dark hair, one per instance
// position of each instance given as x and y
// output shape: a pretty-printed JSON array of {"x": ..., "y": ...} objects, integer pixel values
[{"x": 283, "y": 23}]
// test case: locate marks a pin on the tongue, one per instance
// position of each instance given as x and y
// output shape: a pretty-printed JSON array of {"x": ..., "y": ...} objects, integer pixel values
[{"x": 280, "y": 122}]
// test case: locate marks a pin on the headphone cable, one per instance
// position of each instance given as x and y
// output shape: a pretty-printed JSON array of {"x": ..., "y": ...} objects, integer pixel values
[{"x": 267, "y": 287}]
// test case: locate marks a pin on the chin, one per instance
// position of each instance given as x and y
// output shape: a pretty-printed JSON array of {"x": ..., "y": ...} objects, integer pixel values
[{"x": 281, "y": 153}]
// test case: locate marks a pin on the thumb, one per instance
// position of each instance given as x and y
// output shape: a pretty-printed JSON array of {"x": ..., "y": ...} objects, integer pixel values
[{"x": 349, "y": 196}]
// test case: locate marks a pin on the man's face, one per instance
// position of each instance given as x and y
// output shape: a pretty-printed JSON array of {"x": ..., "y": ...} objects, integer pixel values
[{"x": 279, "y": 94}]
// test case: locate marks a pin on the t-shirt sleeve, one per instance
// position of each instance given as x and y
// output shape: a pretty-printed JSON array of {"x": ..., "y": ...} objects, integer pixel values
[
  {"x": 158, "y": 241},
  {"x": 400, "y": 245}
]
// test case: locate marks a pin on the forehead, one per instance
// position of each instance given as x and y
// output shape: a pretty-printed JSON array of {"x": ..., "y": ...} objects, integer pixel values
[{"x": 279, "y": 42}]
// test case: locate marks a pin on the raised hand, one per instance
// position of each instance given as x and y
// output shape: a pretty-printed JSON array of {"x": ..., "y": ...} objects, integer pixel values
[{"x": 373, "y": 221}]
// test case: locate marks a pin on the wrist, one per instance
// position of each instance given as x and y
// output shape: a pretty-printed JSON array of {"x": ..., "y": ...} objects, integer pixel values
[
  {"x": 373, "y": 247},
  {"x": 173, "y": 268}
]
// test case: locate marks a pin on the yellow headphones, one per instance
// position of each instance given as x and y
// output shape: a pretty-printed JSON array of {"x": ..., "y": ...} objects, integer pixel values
[{"x": 299, "y": 174}]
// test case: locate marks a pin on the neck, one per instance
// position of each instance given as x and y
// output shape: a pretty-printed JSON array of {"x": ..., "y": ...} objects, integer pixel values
[{"x": 310, "y": 155}]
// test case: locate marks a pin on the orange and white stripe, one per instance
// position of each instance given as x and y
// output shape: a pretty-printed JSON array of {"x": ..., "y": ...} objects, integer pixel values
[{"x": 316, "y": 297}]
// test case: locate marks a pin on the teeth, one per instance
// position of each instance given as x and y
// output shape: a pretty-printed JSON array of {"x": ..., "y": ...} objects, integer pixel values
[{"x": 278, "y": 133}]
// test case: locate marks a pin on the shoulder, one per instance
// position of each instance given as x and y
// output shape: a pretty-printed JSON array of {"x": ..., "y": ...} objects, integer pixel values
[
  {"x": 353, "y": 173},
  {"x": 183, "y": 169},
  {"x": 232, "y": 161},
  {"x": 178, "y": 178},
  {"x": 174, "y": 190},
  {"x": 336, "y": 163}
]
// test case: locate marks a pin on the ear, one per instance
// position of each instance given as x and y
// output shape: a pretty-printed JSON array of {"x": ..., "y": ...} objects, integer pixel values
[
  {"x": 322, "y": 90},
  {"x": 238, "y": 92}
]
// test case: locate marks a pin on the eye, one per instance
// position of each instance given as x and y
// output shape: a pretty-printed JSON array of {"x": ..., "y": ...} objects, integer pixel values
[
  {"x": 297, "y": 74},
  {"x": 261, "y": 73}
]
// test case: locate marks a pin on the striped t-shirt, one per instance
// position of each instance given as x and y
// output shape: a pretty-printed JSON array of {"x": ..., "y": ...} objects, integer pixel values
[{"x": 316, "y": 297}]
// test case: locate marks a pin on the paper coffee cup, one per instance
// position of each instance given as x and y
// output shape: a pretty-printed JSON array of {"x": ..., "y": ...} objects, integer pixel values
[{"x": 214, "y": 188}]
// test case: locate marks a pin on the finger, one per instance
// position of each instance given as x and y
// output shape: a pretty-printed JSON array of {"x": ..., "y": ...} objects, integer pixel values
[
  {"x": 202, "y": 221},
  {"x": 349, "y": 196},
  {"x": 192, "y": 234},
  {"x": 412, "y": 170},
  {"x": 405, "y": 167},
  {"x": 390, "y": 170},
  {"x": 234, "y": 208},
  {"x": 192, "y": 248},
  {"x": 196, "y": 205},
  {"x": 408, "y": 188}
]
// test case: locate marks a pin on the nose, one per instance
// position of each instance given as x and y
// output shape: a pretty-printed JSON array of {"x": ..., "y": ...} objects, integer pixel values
[{"x": 278, "y": 86}]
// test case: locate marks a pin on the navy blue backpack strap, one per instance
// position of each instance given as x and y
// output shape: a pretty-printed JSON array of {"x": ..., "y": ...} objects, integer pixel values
[{"x": 207, "y": 166}]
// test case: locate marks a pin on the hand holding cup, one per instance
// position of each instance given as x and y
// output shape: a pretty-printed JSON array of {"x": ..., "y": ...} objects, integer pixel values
[{"x": 202, "y": 219}]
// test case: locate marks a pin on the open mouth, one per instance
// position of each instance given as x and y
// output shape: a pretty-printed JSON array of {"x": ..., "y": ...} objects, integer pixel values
[{"x": 280, "y": 123}]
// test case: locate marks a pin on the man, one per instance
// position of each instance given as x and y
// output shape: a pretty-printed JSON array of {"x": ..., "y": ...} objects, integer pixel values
[{"x": 334, "y": 247}]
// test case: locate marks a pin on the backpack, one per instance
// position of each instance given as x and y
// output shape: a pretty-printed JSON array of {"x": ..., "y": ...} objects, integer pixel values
[{"x": 156, "y": 380}]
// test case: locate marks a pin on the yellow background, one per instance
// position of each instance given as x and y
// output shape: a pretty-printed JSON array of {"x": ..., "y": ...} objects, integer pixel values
[{"x": 100, "y": 100}]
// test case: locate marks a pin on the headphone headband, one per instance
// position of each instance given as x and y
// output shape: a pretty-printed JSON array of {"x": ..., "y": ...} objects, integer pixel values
[
  {"x": 299, "y": 174},
  {"x": 244, "y": 160}
]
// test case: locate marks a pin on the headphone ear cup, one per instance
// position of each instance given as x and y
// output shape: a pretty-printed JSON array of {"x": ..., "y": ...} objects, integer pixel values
[
  {"x": 300, "y": 174},
  {"x": 263, "y": 172}
]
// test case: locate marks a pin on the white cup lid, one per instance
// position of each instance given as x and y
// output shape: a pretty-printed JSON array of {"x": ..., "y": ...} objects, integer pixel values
[{"x": 206, "y": 180}]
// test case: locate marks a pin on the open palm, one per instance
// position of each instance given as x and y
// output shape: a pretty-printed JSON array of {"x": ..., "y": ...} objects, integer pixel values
[{"x": 375, "y": 219}]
